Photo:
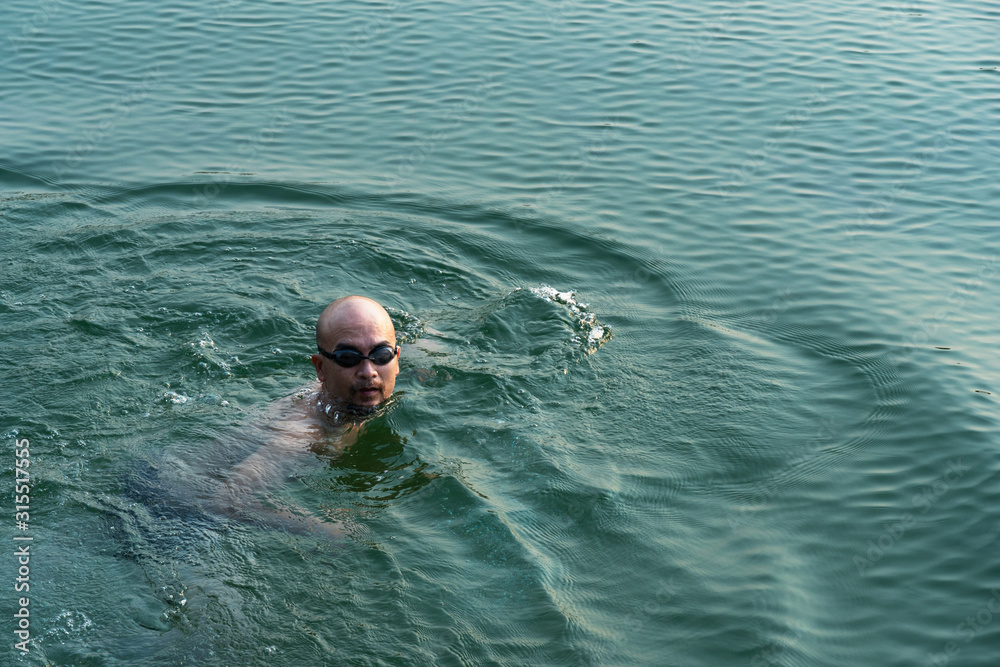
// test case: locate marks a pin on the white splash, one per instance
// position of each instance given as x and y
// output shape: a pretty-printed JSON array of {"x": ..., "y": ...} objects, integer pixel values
[{"x": 595, "y": 333}]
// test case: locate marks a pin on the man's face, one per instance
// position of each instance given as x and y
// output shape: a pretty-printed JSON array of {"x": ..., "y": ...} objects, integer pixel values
[{"x": 361, "y": 327}]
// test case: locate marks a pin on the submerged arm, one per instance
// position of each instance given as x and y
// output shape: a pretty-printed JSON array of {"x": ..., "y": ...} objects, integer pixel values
[{"x": 241, "y": 493}]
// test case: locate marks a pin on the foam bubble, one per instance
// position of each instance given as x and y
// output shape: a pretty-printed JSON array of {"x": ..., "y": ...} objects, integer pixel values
[
  {"x": 70, "y": 623},
  {"x": 175, "y": 398}
]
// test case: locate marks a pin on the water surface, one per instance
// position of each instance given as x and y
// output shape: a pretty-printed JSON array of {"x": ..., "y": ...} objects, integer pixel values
[{"x": 716, "y": 294}]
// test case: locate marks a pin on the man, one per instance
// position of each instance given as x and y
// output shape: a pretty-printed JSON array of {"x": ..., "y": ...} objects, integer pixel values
[
  {"x": 358, "y": 357},
  {"x": 357, "y": 364}
]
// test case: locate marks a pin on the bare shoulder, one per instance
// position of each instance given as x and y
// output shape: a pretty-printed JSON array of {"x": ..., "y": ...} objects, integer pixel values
[{"x": 289, "y": 430}]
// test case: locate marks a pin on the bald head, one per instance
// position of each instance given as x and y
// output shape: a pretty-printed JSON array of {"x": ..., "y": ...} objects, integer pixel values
[
  {"x": 360, "y": 324},
  {"x": 352, "y": 312}
]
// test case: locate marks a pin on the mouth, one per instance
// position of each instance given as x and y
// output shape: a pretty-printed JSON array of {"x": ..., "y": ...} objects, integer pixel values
[{"x": 369, "y": 392}]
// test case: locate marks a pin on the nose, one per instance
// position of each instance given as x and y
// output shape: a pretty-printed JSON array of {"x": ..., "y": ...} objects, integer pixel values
[{"x": 366, "y": 369}]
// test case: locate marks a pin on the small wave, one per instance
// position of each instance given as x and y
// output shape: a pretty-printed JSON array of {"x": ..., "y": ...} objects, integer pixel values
[
  {"x": 593, "y": 334},
  {"x": 408, "y": 327}
]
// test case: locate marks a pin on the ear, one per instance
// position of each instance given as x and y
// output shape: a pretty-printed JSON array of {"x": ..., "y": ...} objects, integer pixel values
[{"x": 317, "y": 360}]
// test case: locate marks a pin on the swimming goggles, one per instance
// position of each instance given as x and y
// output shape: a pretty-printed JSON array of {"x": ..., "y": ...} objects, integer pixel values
[{"x": 348, "y": 358}]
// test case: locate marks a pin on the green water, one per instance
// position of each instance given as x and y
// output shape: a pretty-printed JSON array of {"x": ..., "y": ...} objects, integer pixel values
[{"x": 716, "y": 290}]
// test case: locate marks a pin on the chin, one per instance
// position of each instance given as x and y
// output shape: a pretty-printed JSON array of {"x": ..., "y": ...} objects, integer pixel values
[{"x": 368, "y": 403}]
